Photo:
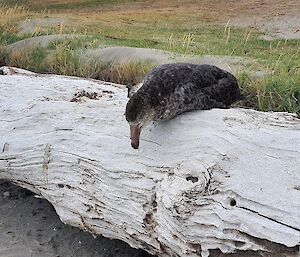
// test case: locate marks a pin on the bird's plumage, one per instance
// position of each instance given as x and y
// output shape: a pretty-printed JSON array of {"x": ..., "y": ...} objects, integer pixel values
[{"x": 171, "y": 89}]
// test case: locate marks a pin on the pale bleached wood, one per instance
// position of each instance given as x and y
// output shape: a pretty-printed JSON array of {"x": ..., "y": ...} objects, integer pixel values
[{"x": 218, "y": 179}]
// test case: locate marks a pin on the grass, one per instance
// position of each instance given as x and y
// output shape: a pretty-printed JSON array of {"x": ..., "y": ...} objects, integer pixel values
[
  {"x": 129, "y": 73},
  {"x": 56, "y": 5},
  {"x": 277, "y": 92},
  {"x": 9, "y": 16},
  {"x": 63, "y": 58},
  {"x": 194, "y": 30},
  {"x": 30, "y": 59}
]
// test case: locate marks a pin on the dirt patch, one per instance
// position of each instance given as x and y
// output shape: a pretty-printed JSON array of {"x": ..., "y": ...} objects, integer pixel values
[
  {"x": 275, "y": 18},
  {"x": 279, "y": 26}
]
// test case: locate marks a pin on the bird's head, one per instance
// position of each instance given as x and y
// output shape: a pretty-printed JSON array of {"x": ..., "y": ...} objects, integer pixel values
[{"x": 138, "y": 114}]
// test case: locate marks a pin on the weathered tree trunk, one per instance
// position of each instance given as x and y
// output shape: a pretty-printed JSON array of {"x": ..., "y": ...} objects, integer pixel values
[{"x": 218, "y": 179}]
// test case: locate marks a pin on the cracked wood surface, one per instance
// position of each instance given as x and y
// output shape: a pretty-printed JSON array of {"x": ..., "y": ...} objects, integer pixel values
[{"x": 218, "y": 179}]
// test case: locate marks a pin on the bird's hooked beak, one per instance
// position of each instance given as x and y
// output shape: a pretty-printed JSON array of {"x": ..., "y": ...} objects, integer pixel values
[{"x": 135, "y": 131}]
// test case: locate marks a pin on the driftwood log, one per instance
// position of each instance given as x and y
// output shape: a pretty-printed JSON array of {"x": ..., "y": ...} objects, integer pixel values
[{"x": 206, "y": 181}]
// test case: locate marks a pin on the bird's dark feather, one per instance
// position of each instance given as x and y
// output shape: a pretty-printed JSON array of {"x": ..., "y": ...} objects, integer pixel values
[{"x": 171, "y": 89}]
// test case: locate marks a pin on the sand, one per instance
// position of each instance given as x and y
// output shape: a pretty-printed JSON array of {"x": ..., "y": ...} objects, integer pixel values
[{"x": 284, "y": 25}]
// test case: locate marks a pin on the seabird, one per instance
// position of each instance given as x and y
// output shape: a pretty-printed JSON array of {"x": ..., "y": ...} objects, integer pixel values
[{"x": 172, "y": 89}]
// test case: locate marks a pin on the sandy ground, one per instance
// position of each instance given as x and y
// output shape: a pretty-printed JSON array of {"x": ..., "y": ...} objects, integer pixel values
[
  {"x": 285, "y": 25},
  {"x": 30, "y": 227}
]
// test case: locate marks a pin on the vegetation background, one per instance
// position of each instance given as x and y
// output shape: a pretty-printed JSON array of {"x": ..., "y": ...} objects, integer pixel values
[{"x": 187, "y": 27}]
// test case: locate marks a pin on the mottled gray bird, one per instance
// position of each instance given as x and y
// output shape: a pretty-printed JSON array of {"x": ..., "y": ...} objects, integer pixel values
[{"x": 171, "y": 89}]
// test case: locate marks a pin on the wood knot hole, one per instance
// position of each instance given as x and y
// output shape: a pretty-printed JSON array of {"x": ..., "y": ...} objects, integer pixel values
[
  {"x": 232, "y": 202},
  {"x": 191, "y": 178}
]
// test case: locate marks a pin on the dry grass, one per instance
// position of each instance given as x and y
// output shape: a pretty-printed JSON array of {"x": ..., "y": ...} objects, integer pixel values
[
  {"x": 30, "y": 59},
  {"x": 129, "y": 73},
  {"x": 70, "y": 63},
  {"x": 19, "y": 58},
  {"x": 9, "y": 16},
  {"x": 65, "y": 58}
]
